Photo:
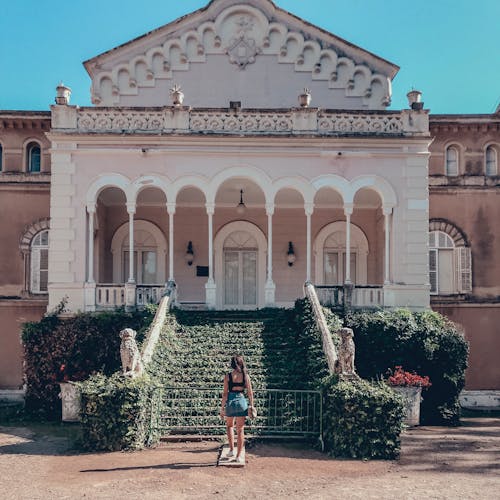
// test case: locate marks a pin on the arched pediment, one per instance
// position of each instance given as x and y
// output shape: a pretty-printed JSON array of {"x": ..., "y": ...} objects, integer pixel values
[{"x": 235, "y": 45}]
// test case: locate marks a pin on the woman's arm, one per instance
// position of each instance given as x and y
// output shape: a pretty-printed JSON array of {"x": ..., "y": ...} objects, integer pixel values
[
  {"x": 249, "y": 389},
  {"x": 224, "y": 398}
]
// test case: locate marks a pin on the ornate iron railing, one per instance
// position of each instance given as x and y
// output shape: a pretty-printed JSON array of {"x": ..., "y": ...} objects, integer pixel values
[{"x": 195, "y": 410}]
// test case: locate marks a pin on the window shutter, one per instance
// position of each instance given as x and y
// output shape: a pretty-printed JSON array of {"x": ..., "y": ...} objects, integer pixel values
[
  {"x": 35, "y": 270},
  {"x": 464, "y": 269},
  {"x": 433, "y": 269},
  {"x": 44, "y": 269}
]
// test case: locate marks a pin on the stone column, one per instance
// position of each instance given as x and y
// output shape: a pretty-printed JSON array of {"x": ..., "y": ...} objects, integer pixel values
[
  {"x": 309, "y": 208},
  {"x": 130, "y": 285},
  {"x": 270, "y": 289},
  {"x": 210, "y": 287},
  {"x": 387, "y": 257},
  {"x": 348, "y": 209},
  {"x": 90, "y": 273},
  {"x": 90, "y": 286},
  {"x": 171, "y": 213}
]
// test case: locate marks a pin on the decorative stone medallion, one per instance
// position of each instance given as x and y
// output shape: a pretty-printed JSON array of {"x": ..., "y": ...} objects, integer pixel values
[{"x": 242, "y": 49}]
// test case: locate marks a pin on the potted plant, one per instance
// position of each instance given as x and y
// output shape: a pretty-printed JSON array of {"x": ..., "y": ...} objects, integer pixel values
[
  {"x": 409, "y": 385},
  {"x": 70, "y": 393}
]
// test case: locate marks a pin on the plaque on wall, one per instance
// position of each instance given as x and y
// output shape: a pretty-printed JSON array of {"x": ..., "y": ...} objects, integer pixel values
[{"x": 202, "y": 271}]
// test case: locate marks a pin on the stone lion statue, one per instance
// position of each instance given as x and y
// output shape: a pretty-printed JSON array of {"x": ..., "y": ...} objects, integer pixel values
[
  {"x": 346, "y": 353},
  {"x": 129, "y": 353}
]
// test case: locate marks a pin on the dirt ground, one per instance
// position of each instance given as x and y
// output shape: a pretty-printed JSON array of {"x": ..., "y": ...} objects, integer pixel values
[{"x": 436, "y": 462}]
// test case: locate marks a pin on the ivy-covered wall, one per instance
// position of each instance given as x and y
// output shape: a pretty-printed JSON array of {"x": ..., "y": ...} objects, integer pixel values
[
  {"x": 424, "y": 342},
  {"x": 58, "y": 349}
]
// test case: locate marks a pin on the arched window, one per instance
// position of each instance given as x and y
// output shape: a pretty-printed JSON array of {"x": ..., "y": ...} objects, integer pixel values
[
  {"x": 1, "y": 158},
  {"x": 449, "y": 262},
  {"x": 33, "y": 157},
  {"x": 39, "y": 262},
  {"x": 491, "y": 161},
  {"x": 451, "y": 160}
]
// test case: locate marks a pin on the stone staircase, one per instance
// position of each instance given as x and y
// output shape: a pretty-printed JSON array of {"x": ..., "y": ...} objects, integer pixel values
[
  {"x": 192, "y": 358},
  {"x": 199, "y": 354}
]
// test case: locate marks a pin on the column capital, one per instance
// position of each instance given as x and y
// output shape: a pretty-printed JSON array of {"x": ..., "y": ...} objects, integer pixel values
[
  {"x": 387, "y": 209},
  {"x": 91, "y": 208},
  {"x": 309, "y": 208},
  {"x": 131, "y": 207},
  {"x": 210, "y": 207},
  {"x": 171, "y": 207},
  {"x": 348, "y": 208},
  {"x": 269, "y": 208}
]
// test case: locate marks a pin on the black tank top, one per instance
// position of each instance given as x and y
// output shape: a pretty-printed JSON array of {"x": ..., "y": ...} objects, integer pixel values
[{"x": 233, "y": 385}]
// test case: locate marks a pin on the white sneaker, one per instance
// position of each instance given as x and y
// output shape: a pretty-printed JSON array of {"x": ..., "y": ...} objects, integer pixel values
[
  {"x": 238, "y": 460},
  {"x": 230, "y": 454}
]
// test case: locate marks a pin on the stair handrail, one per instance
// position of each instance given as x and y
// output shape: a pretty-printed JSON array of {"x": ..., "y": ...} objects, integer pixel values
[
  {"x": 166, "y": 303},
  {"x": 319, "y": 317}
]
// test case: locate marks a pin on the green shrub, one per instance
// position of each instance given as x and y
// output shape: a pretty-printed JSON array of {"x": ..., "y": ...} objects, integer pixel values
[
  {"x": 423, "y": 342},
  {"x": 361, "y": 419},
  {"x": 56, "y": 349},
  {"x": 309, "y": 339},
  {"x": 115, "y": 412}
]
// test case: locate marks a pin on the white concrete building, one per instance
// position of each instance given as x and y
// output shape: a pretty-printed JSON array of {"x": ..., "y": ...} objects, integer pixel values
[{"x": 243, "y": 185}]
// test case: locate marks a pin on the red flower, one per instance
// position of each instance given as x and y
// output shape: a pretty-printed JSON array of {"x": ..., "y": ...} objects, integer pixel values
[{"x": 402, "y": 378}]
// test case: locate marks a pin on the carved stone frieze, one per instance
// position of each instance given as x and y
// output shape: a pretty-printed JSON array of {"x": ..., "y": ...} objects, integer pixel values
[
  {"x": 359, "y": 123},
  {"x": 249, "y": 122},
  {"x": 241, "y": 122}
]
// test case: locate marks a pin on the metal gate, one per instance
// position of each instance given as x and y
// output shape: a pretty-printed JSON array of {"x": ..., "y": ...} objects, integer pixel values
[{"x": 195, "y": 410}]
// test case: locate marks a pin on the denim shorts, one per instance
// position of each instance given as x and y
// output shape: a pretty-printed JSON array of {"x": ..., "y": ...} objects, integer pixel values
[{"x": 237, "y": 405}]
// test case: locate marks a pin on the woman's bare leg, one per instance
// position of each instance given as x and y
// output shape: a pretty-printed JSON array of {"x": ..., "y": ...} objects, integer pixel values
[
  {"x": 240, "y": 430},
  {"x": 230, "y": 432}
]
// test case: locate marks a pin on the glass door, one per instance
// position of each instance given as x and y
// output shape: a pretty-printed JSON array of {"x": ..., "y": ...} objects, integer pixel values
[
  {"x": 240, "y": 278},
  {"x": 334, "y": 267}
]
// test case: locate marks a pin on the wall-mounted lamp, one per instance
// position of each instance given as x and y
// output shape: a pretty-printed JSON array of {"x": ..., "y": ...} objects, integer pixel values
[
  {"x": 240, "y": 208},
  {"x": 189, "y": 254},
  {"x": 290, "y": 255}
]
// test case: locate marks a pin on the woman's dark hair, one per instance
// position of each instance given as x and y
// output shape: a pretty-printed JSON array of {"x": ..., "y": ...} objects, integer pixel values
[{"x": 238, "y": 364}]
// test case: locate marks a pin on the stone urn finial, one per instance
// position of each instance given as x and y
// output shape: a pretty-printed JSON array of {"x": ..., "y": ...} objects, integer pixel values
[
  {"x": 305, "y": 98},
  {"x": 177, "y": 95},
  {"x": 63, "y": 94}
]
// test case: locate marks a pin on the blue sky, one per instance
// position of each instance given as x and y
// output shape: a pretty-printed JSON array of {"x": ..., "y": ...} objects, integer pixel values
[{"x": 448, "y": 49}]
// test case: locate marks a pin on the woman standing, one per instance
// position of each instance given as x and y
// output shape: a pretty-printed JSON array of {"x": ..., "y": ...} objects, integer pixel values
[{"x": 235, "y": 405}]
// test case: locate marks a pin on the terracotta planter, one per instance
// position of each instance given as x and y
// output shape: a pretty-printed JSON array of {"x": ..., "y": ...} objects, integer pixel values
[
  {"x": 412, "y": 397},
  {"x": 71, "y": 402}
]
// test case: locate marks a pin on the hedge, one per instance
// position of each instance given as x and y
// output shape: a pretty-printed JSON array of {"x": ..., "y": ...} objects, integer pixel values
[
  {"x": 423, "y": 342},
  {"x": 309, "y": 339},
  {"x": 116, "y": 412},
  {"x": 56, "y": 349},
  {"x": 361, "y": 419}
]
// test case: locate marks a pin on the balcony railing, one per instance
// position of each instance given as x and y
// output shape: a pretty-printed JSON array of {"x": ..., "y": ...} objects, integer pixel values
[
  {"x": 339, "y": 296},
  {"x": 311, "y": 121},
  {"x": 109, "y": 296},
  {"x": 112, "y": 295}
]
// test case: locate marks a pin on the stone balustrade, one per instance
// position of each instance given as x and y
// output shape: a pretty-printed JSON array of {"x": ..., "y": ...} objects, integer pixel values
[{"x": 303, "y": 121}]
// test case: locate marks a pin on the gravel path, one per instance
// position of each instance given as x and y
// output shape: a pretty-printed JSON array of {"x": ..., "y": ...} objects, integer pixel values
[{"x": 436, "y": 462}]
